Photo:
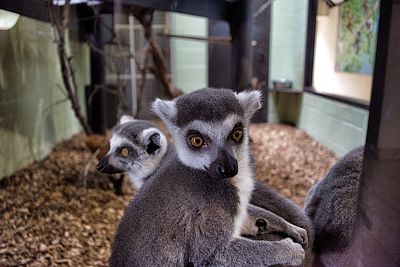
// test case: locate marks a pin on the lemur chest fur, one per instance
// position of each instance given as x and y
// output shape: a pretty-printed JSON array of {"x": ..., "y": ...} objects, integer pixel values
[{"x": 244, "y": 183}]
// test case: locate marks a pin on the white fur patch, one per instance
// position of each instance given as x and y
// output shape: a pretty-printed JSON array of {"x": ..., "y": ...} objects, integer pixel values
[
  {"x": 143, "y": 169},
  {"x": 136, "y": 179},
  {"x": 116, "y": 141},
  {"x": 165, "y": 109},
  {"x": 125, "y": 119},
  {"x": 250, "y": 101},
  {"x": 244, "y": 182}
]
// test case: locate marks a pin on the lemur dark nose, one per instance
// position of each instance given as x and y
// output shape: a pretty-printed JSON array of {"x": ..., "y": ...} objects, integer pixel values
[
  {"x": 225, "y": 166},
  {"x": 100, "y": 166},
  {"x": 104, "y": 167}
]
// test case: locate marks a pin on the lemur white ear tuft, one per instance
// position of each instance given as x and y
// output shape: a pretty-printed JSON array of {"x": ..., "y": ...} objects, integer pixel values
[
  {"x": 165, "y": 109},
  {"x": 125, "y": 119},
  {"x": 250, "y": 101}
]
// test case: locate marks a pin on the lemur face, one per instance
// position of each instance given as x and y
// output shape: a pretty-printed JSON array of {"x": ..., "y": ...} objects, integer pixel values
[
  {"x": 209, "y": 127},
  {"x": 135, "y": 147}
]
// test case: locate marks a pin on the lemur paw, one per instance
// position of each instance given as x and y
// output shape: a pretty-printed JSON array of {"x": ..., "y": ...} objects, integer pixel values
[{"x": 300, "y": 236}]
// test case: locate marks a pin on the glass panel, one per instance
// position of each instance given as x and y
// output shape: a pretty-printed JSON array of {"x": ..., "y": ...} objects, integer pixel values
[{"x": 345, "y": 48}]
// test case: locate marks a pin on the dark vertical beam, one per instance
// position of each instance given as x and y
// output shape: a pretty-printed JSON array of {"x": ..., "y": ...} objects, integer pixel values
[
  {"x": 261, "y": 40},
  {"x": 235, "y": 65},
  {"x": 310, "y": 43},
  {"x": 219, "y": 56},
  {"x": 377, "y": 242},
  {"x": 97, "y": 108},
  {"x": 213, "y": 9},
  {"x": 241, "y": 26},
  {"x": 378, "y": 82}
]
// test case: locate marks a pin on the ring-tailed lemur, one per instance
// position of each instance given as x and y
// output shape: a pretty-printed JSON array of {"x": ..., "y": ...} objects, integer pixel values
[
  {"x": 191, "y": 210},
  {"x": 331, "y": 205},
  {"x": 268, "y": 199},
  {"x": 136, "y": 147},
  {"x": 132, "y": 134}
]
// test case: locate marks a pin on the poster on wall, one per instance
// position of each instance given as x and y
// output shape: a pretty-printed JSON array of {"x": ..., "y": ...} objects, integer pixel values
[{"x": 358, "y": 27}]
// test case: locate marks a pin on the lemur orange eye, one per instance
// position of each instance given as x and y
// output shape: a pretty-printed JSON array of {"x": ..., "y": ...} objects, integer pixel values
[
  {"x": 237, "y": 135},
  {"x": 196, "y": 141},
  {"x": 125, "y": 152}
]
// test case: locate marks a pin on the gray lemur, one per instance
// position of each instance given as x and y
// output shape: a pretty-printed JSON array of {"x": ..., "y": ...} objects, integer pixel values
[
  {"x": 146, "y": 148},
  {"x": 191, "y": 211},
  {"x": 136, "y": 147},
  {"x": 331, "y": 205},
  {"x": 268, "y": 199}
]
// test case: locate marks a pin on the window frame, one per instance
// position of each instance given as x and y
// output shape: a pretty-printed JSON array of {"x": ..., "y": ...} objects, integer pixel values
[{"x": 308, "y": 86}]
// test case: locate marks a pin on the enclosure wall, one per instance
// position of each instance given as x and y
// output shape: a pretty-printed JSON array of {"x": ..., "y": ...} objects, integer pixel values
[
  {"x": 326, "y": 77},
  {"x": 288, "y": 41},
  {"x": 189, "y": 58},
  {"x": 338, "y": 126},
  {"x": 31, "y": 118}
]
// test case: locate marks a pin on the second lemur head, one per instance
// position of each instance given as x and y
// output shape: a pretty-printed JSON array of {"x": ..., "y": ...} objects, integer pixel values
[
  {"x": 210, "y": 128},
  {"x": 136, "y": 147}
]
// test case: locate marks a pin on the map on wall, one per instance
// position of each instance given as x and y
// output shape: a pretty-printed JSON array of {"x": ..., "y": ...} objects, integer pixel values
[{"x": 358, "y": 27}]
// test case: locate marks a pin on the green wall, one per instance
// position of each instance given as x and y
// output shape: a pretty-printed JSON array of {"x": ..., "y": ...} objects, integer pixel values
[
  {"x": 189, "y": 58},
  {"x": 284, "y": 107},
  {"x": 338, "y": 126},
  {"x": 288, "y": 40},
  {"x": 29, "y": 84}
]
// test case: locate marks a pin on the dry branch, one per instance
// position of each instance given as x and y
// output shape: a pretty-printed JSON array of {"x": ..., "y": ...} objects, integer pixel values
[
  {"x": 60, "y": 23},
  {"x": 145, "y": 17},
  {"x": 210, "y": 39},
  {"x": 143, "y": 82}
]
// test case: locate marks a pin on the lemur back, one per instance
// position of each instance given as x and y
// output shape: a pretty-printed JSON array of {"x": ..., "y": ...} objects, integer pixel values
[
  {"x": 189, "y": 210},
  {"x": 331, "y": 205}
]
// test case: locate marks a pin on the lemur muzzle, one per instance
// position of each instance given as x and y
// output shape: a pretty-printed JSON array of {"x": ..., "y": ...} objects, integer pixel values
[{"x": 225, "y": 165}]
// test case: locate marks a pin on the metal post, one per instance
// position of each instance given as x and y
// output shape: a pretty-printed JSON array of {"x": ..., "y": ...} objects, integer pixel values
[
  {"x": 97, "y": 109},
  {"x": 133, "y": 65},
  {"x": 241, "y": 25}
]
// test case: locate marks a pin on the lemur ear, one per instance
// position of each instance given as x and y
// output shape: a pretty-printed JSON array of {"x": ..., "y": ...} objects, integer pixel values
[
  {"x": 166, "y": 110},
  {"x": 125, "y": 119},
  {"x": 152, "y": 142},
  {"x": 250, "y": 101}
]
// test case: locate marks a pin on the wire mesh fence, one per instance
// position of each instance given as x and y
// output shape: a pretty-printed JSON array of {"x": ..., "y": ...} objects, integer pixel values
[{"x": 124, "y": 69}]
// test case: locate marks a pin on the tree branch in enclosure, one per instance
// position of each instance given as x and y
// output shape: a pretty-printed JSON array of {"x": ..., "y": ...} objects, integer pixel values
[
  {"x": 59, "y": 22},
  {"x": 145, "y": 17},
  {"x": 210, "y": 39},
  {"x": 143, "y": 71}
]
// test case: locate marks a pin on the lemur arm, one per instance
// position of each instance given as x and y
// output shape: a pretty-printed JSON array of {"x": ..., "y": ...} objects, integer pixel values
[
  {"x": 245, "y": 252},
  {"x": 261, "y": 221}
]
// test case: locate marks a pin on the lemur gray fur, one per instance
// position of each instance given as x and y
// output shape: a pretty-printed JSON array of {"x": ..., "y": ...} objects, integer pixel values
[
  {"x": 136, "y": 135},
  {"x": 331, "y": 205},
  {"x": 136, "y": 147},
  {"x": 191, "y": 211},
  {"x": 268, "y": 199}
]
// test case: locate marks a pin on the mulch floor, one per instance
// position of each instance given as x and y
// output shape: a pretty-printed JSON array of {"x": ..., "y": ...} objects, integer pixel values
[{"x": 53, "y": 215}]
